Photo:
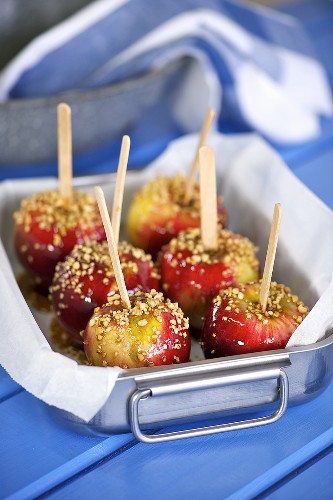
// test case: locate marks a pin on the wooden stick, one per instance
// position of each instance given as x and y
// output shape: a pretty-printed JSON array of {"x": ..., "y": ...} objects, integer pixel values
[
  {"x": 112, "y": 247},
  {"x": 65, "y": 168},
  {"x": 119, "y": 187},
  {"x": 208, "y": 198},
  {"x": 270, "y": 256},
  {"x": 194, "y": 167}
]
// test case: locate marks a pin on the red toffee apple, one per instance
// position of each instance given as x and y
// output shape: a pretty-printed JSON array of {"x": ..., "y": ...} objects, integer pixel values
[
  {"x": 236, "y": 324},
  {"x": 46, "y": 231},
  {"x": 152, "y": 332},
  {"x": 85, "y": 280},
  {"x": 192, "y": 275},
  {"x": 158, "y": 213}
]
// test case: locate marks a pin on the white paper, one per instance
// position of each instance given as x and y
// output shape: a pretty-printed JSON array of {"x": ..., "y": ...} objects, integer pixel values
[{"x": 252, "y": 178}]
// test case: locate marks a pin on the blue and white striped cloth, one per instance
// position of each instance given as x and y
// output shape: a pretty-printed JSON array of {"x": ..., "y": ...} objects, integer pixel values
[{"x": 254, "y": 65}]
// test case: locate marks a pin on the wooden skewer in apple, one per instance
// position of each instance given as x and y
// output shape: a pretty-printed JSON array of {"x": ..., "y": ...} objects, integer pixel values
[
  {"x": 65, "y": 162},
  {"x": 119, "y": 187},
  {"x": 208, "y": 198},
  {"x": 257, "y": 316},
  {"x": 201, "y": 261},
  {"x": 134, "y": 330},
  {"x": 112, "y": 247},
  {"x": 270, "y": 256},
  {"x": 195, "y": 164}
]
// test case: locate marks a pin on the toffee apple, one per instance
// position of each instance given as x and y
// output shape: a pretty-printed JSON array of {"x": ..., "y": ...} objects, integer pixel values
[
  {"x": 47, "y": 229},
  {"x": 86, "y": 279},
  {"x": 49, "y": 224},
  {"x": 151, "y": 332},
  {"x": 236, "y": 323},
  {"x": 159, "y": 212},
  {"x": 192, "y": 274}
]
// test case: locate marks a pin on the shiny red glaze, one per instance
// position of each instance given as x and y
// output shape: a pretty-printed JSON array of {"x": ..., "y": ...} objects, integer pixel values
[
  {"x": 241, "y": 335},
  {"x": 157, "y": 351},
  {"x": 151, "y": 232},
  {"x": 193, "y": 286},
  {"x": 78, "y": 308},
  {"x": 153, "y": 236},
  {"x": 39, "y": 256}
]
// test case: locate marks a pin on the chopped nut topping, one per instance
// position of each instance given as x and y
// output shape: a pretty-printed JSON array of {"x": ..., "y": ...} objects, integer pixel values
[
  {"x": 170, "y": 192},
  {"x": 143, "y": 322},
  {"x": 115, "y": 319},
  {"x": 279, "y": 297},
  {"x": 233, "y": 249},
  {"x": 51, "y": 214},
  {"x": 93, "y": 259}
]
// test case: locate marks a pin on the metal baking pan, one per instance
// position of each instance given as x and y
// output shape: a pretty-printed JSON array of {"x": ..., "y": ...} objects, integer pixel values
[
  {"x": 222, "y": 389},
  {"x": 215, "y": 389},
  {"x": 28, "y": 126}
]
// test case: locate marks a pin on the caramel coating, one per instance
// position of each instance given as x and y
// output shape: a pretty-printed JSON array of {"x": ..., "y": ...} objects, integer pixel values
[{"x": 51, "y": 212}]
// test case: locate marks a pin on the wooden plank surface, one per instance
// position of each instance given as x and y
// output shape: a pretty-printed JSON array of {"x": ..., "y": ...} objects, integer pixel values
[{"x": 243, "y": 463}]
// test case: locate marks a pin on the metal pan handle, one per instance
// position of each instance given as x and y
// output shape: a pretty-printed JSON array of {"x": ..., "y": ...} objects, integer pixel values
[{"x": 204, "y": 431}]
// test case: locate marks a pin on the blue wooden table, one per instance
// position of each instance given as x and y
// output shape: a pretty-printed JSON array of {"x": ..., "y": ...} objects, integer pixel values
[{"x": 289, "y": 459}]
